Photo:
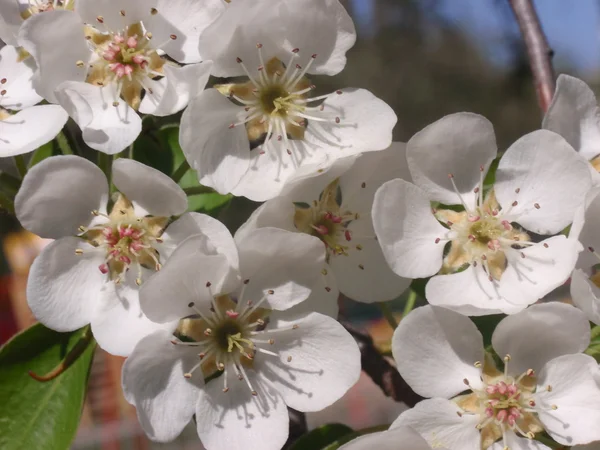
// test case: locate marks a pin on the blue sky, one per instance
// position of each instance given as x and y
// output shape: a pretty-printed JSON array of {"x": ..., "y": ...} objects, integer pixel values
[{"x": 572, "y": 26}]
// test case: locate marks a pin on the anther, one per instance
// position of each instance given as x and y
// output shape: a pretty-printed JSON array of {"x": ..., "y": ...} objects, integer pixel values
[
  {"x": 296, "y": 50},
  {"x": 515, "y": 203},
  {"x": 138, "y": 281},
  {"x": 122, "y": 12},
  {"x": 324, "y": 272},
  {"x": 208, "y": 332},
  {"x": 208, "y": 284},
  {"x": 115, "y": 104},
  {"x": 271, "y": 341},
  {"x": 361, "y": 267},
  {"x": 337, "y": 120},
  {"x": 549, "y": 388},
  {"x": 78, "y": 251},
  {"x": 148, "y": 35},
  {"x": 466, "y": 382},
  {"x": 359, "y": 247},
  {"x": 153, "y": 11},
  {"x": 187, "y": 375},
  {"x": 226, "y": 390},
  {"x": 80, "y": 63},
  {"x": 363, "y": 185},
  {"x": 221, "y": 366},
  {"x": 254, "y": 393},
  {"x": 554, "y": 407},
  {"x": 289, "y": 359},
  {"x": 537, "y": 205},
  {"x": 507, "y": 358},
  {"x": 270, "y": 291},
  {"x": 238, "y": 60},
  {"x": 295, "y": 327},
  {"x": 546, "y": 245},
  {"x": 517, "y": 190},
  {"x": 173, "y": 36},
  {"x": 327, "y": 288},
  {"x": 100, "y": 19},
  {"x": 477, "y": 364},
  {"x": 3, "y": 81},
  {"x": 437, "y": 240}
]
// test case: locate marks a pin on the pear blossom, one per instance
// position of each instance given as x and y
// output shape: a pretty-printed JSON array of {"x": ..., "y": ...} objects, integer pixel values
[
  {"x": 23, "y": 125},
  {"x": 480, "y": 254},
  {"x": 92, "y": 272},
  {"x": 400, "y": 438},
  {"x": 334, "y": 205},
  {"x": 574, "y": 114},
  {"x": 546, "y": 384},
  {"x": 585, "y": 281},
  {"x": 249, "y": 138},
  {"x": 239, "y": 356},
  {"x": 107, "y": 60}
]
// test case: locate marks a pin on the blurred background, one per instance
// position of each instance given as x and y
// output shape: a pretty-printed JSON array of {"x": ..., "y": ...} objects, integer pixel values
[{"x": 426, "y": 58}]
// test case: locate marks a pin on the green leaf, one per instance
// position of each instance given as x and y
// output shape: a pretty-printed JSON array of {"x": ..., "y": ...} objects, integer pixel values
[
  {"x": 154, "y": 151},
  {"x": 321, "y": 437},
  {"x": 41, "y": 153},
  {"x": 355, "y": 434},
  {"x": 36, "y": 415}
]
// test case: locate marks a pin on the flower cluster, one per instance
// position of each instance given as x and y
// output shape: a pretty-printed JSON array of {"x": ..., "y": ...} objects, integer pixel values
[{"x": 232, "y": 329}]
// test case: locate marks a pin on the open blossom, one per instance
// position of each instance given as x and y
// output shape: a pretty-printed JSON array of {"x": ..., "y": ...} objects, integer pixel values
[
  {"x": 574, "y": 114},
  {"x": 92, "y": 272},
  {"x": 585, "y": 282},
  {"x": 546, "y": 384},
  {"x": 24, "y": 126},
  {"x": 238, "y": 356},
  {"x": 481, "y": 255},
  {"x": 399, "y": 438},
  {"x": 116, "y": 65},
  {"x": 248, "y": 138},
  {"x": 334, "y": 205}
]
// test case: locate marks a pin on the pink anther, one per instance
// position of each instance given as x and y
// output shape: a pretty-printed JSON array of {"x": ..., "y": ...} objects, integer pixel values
[
  {"x": 232, "y": 314},
  {"x": 506, "y": 224},
  {"x": 494, "y": 245},
  {"x": 103, "y": 268},
  {"x": 348, "y": 235},
  {"x": 473, "y": 218},
  {"x": 132, "y": 42}
]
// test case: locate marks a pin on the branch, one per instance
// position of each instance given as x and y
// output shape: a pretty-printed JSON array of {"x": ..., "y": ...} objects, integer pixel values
[
  {"x": 381, "y": 371},
  {"x": 539, "y": 52}
]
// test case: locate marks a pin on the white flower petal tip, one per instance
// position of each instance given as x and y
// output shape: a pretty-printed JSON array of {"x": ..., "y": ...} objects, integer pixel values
[
  {"x": 546, "y": 384},
  {"x": 574, "y": 114},
  {"x": 30, "y": 128},
  {"x": 323, "y": 28},
  {"x": 16, "y": 78},
  {"x": 586, "y": 295},
  {"x": 446, "y": 158},
  {"x": 399, "y": 438}
]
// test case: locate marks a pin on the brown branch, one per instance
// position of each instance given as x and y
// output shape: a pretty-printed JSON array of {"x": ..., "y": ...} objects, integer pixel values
[
  {"x": 539, "y": 52},
  {"x": 381, "y": 371}
]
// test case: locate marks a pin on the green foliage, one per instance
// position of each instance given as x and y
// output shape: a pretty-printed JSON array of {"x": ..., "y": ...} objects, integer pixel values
[
  {"x": 324, "y": 437},
  {"x": 41, "y": 415},
  {"x": 486, "y": 325},
  {"x": 41, "y": 153},
  {"x": 151, "y": 149}
]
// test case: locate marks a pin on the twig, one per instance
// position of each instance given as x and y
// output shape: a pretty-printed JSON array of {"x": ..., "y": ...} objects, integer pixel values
[
  {"x": 539, "y": 52},
  {"x": 381, "y": 371}
]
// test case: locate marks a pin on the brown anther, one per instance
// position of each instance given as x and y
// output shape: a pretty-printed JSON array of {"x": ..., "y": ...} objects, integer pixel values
[
  {"x": 296, "y": 50},
  {"x": 361, "y": 267},
  {"x": 522, "y": 255},
  {"x": 450, "y": 176},
  {"x": 515, "y": 203},
  {"x": 3, "y": 81},
  {"x": 173, "y": 37},
  {"x": 226, "y": 390},
  {"x": 339, "y": 92},
  {"x": 115, "y": 104},
  {"x": 254, "y": 393},
  {"x": 201, "y": 355},
  {"x": 153, "y": 11},
  {"x": 247, "y": 280},
  {"x": 437, "y": 240},
  {"x": 238, "y": 60},
  {"x": 271, "y": 341},
  {"x": 80, "y": 63},
  {"x": 466, "y": 381},
  {"x": 536, "y": 206},
  {"x": 208, "y": 284},
  {"x": 3, "y": 92},
  {"x": 191, "y": 304},
  {"x": 270, "y": 291},
  {"x": 100, "y": 19},
  {"x": 337, "y": 120},
  {"x": 363, "y": 185},
  {"x": 531, "y": 403},
  {"x": 295, "y": 327},
  {"x": 289, "y": 152},
  {"x": 549, "y": 388},
  {"x": 298, "y": 66},
  {"x": 517, "y": 190},
  {"x": 591, "y": 249},
  {"x": 187, "y": 375},
  {"x": 459, "y": 414},
  {"x": 122, "y": 12},
  {"x": 289, "y": 359},
  {"x": 476, "y": 190},
  {"x": 122, "y": 211},
  {"x": 327, "y": 288},
  {"x": 546, "y": 245},
  {"x": 259, "y": 45}
]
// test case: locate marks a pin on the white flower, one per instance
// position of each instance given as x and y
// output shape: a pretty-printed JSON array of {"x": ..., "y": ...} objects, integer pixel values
[
  {"x": 92, "y": 272},
  {"x": 574, "y": 114},
  {"x": 490, "y": 264},
  {"x": 249, "y": 138},
  {"x": 400, "y": 438},
  {"x": 546, "y": 384},
  {"x": 23, "y": 126},
  {"x": 98, "y": 60},
  {"x": 585, "y": 281},
  {"x": 239, "y": 357},
  {"x": 334, "y": 205}
]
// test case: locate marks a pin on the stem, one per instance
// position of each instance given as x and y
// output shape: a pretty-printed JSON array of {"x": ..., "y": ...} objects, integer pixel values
[
  {"x": 21, "y": 166},
  {"x": 195, "y": 190},
  {"x": 9, "y": 183},
  {"x": 70, "y": 358},
  {"x": 63, "y": 144},
  {"x": 105, "y": 164},
  {"x": 388, "y": 314},
  {"x": 410, "y": 303},
  {"x": 6, "y": 203},
  {"x": 595, "y": 332},
  {"x": 539, "y": 52},
  {"x": 180, "y": 171}
]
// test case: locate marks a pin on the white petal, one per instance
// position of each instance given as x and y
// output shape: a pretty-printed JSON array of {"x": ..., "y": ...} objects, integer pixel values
[
  {"x": 192, "y": 18},
  {"x": 436, "y": 349},
  {"x": 366, "y": 124},
  {"x": 118, "y": 323},
  {"x": 220, "y": 155},
  {"x": 277, "y": 213},
  {"x": 320, "y": 27},
  {"x": 45, "y": 36},
  {"x": 18, "y": 74},
  {"x": 585, "y": 228},
  {"x": 316, "y": 364},
  {"x": 149, "y": 188},
  {"x": 438, "y": 422},
  {"x": 458, "y": 144},
  {"x": 10, "y": 21},
  {"x": 30, "y": 128},
  {"x": 238, "y": 420},
  {"x": 63, "y": 288},
  {"x": 574, "y": 115},
  {"x": 514, "y": 442},
  {"x": 153, "y": 382},
  {"x": 400, "y": 438},
  {"x": 586, "y": 295},
  {"x": 188, "y": 277},
  {"x": 407, "y": 230},
  {"x": 282, "y": 262},
  {"x": 547, "y": 199},
  {"x": 218, "y": 238},
  {"x": 468, "y": 292},
  {"x": 173, "y": 92},
  {"x": 107, "y": 128},
  {"x": 576, "y": 393},
  {"x": 364, "y": 275},
  {"x": 543, "y": 269},
  {"x": 59, "y": 194},
  {"x": 135, "y": 11},
  {"x": 539, "y": 334}
]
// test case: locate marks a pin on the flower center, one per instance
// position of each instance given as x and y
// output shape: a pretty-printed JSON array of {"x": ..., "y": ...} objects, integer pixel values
[
  {"x": 275, "y": 102},
  {"x": 39, "y": 6},
  {"x": 126, "y": 58},
  {"x": 505, "y": 402},
  {"x": 126, "y": 240},
  {"x": 229, "y": 335}
]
